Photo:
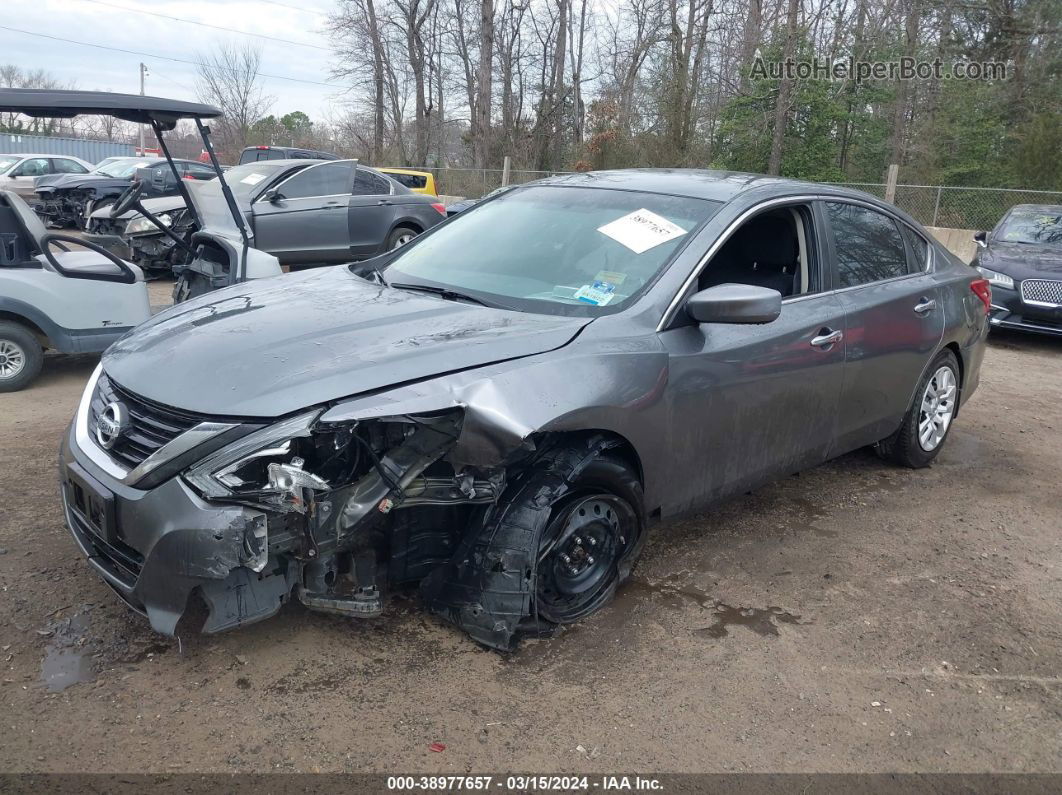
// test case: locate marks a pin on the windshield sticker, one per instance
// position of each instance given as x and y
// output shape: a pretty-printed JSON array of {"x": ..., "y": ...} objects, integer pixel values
[
  {"x": 253, "y": 179},
  {"x": 598, "y": 294},
  {"x": 641, "y": 230}
]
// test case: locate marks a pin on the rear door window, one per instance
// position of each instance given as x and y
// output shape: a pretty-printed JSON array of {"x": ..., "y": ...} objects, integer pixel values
[
  {"x": 867, "y": 245},
  {"x": 328, "y": 179}
]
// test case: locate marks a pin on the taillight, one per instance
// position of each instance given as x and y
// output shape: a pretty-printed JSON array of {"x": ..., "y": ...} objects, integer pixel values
[
  {"x": 983, "y": 290},
  {"x": 440, "y": 207}
]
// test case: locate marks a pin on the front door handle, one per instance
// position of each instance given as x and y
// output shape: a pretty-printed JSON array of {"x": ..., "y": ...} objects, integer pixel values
[
  {"x": 925, "y": 305},
  {"x": 828, "y": 338},
  {"x": 384, "y": 201}
]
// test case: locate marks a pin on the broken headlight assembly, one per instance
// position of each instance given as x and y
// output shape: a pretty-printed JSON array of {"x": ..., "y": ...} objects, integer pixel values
[
  {"x": 141, "y": 225},
  {"x": 281, "y": 466},
  {"x": 264, "y": 467}
]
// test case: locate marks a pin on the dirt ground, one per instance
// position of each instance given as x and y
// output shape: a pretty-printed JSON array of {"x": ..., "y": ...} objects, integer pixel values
[{"x": 856, "y": 617}]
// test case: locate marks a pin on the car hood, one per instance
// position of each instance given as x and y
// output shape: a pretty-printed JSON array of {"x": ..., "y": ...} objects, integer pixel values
[
  {"x": 78, "y": 181},
  {"x": 274, "y": 346},
  {"x": 1022, "y": 260},
  {"x": 163, "y": 204}
]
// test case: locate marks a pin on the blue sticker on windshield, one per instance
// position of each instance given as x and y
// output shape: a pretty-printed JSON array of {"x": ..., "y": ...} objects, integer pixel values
[{"x": 598, "y": 294}]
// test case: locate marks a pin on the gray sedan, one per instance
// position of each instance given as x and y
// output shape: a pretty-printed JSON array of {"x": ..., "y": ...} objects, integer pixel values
[
  {"x": 303, "y": 212},
  {"x": 502, "y": 409}
]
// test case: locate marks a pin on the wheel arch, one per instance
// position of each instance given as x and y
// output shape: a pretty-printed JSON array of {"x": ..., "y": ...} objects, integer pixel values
[
  {"x": 406, "y": 223},
  {"x": 957, "y": 351},
  {"x": 619, "y": 446},
  {"x": 10, "y": 316}
]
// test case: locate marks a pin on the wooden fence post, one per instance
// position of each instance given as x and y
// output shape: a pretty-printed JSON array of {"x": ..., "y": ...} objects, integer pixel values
[{"x": 890, "y": 183}]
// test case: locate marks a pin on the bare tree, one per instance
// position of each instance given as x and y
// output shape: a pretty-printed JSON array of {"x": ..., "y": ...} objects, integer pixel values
[
  {"x": 229, "y": 78},
  {"x": 785, "y": 91},
  {"x": 482, "y": 107}
]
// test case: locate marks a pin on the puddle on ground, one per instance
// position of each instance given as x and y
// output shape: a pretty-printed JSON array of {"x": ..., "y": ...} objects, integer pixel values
[
  {"x": 762, "y": 621},
  {"x": 65, "y": 661},
  {"x": 65, "y": 667},
  {"x": 673, "y": 597}
]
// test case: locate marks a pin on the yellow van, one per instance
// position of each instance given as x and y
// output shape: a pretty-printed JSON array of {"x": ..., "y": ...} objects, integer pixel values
[{"x": 416, "y": 181}]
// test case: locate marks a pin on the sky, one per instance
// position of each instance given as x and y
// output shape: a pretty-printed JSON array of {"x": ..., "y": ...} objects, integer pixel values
[{"x": 122, "y": 24}]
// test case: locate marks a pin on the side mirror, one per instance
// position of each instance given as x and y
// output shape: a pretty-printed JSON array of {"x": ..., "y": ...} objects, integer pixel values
[
  {"x": 981, "y": 238},
  {"x": 272, "y": 196},
  {"x": 735, "y": 303}
]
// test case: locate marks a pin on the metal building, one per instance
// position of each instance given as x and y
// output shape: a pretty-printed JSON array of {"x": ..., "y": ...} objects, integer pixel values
[{"x": 85, "y": 148}]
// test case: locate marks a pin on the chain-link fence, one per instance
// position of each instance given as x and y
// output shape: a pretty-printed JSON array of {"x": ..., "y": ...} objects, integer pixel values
[
  {"x": 958, "y": 208},
  {"x": 932, "y": 205}
]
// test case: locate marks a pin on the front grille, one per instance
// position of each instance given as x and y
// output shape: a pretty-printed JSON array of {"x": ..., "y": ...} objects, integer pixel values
[
  {"x": 1043, "y": 290},
  {"x": 152, "y": 425}
]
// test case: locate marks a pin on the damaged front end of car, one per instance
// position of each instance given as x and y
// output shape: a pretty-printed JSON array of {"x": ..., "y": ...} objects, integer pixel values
[
  {"x": 333, "y": 510},
  {"x": 64, "y": 207},
  {"x": 154, "y": 251}
]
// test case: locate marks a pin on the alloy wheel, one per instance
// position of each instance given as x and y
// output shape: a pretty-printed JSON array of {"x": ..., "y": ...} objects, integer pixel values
[
  {"x": 937, "y": 408},
  {"x": 402, "y": 239},
  {"x": 12, "y": 359}
]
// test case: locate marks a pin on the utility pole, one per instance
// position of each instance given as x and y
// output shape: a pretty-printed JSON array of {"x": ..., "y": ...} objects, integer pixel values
[{"x": 143, "y": 74}]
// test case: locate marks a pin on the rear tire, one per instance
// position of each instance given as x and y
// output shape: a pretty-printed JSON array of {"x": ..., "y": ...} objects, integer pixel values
[
  {"x": 21, "y": 357},
  {"x": 399, "y": 237},
  {"x": 928, "y": 421}
]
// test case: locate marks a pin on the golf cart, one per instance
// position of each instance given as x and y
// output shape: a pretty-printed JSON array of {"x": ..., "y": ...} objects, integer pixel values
[{"x": 82, "y": 301}]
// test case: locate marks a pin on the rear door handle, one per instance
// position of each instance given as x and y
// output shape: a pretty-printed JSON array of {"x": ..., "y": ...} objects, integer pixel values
[
  {"x": 925, "y": 305},
  {"x": 384, "y": 201},
  {"x": 829, "y": 338}
]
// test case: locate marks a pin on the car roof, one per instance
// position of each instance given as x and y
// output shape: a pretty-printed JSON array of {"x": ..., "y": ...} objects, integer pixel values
[
  {"x": 65, "y": 104},
  {"x": 711, "y": 184},
  {"x": 393, "y": 170}
]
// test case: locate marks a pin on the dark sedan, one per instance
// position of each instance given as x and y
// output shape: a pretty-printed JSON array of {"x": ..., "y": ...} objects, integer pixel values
[
  {"x": 1022, "y": 258},
  {"x": 502, "y": 409},
  {"x": 69, "y": 199}
]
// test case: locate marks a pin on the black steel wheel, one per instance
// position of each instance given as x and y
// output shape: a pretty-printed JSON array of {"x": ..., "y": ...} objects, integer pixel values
[{"x": 580, "y": 555}]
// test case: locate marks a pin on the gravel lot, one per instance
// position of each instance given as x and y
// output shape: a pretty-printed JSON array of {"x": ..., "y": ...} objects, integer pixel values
[{"x": 856, "y": 617}]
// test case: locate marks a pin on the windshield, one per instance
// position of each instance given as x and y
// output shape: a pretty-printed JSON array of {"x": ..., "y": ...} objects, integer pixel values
[
  {"x": 121, "y": 169},
  {"x": 552, "y": 249},
  {"x": 1038, "y": 226},
  {"x": 7, "y": 162}
]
